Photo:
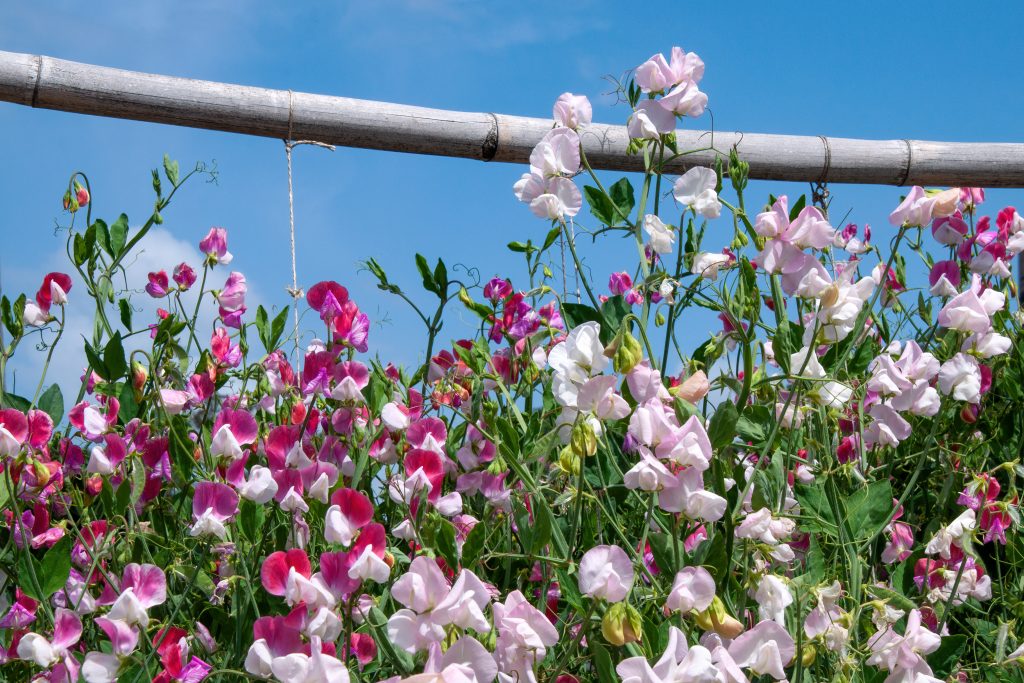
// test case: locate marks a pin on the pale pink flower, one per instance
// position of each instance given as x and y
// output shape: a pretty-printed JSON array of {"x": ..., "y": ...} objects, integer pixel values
[
  {"x": 692, "y": 589},
  {"x": 696, "y": 190},
  {"x": 572, "y": 111},
  {"x": 765, "y": 649},
  {"x": 606, "y": 572}
]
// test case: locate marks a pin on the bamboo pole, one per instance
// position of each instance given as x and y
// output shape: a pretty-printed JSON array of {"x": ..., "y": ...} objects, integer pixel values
[{"x": 50, "y": 83}]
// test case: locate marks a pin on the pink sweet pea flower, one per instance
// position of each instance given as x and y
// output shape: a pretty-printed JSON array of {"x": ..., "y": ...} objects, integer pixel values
[
  {"x": 54, "y": 290},
  {"x": 497, "y": 290},
  {"x": 232, "y": 430},
  {"x": 352, "y": 327},
  {"x": 223, "y": 351},
  {"x": 123, "y": 637},
  {"x": 944, "y": 279},
  {"x": 184, "y": 276},
  {"x": 350, "y": 511},
  {"x": 232, "y": 300},
  {"x": 363, "y": 646},
  {"x": 275, "y": 637},
  {"x": 971, "y": 197},
  {"x": 215, "y": 246},
  {"x": 765, "y": 649},
  {"x": 692, "y": 589},
  {"x": 158, "y": 284},
  {"x": 551, "y": 198},
  {"x": 949, "y": 230},
  {"x": 67, "y": 629},
  {"x": 279, "y": 566},
  {"x": 572, "y": 111},
  {"x": 213, "y": 506},
  {"x": 104, "y": 458},
  {"x": 13, "y": 431},
  {"x": 903, "y": 654},
  {"x": 650, "y": 121},
  {"x": 606, "y": 572}
]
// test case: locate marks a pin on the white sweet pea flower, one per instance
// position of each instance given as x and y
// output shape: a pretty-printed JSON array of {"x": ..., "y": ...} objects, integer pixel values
[
  {"x": 662, "y": 237},
  {"x": 696, "y": 189}
]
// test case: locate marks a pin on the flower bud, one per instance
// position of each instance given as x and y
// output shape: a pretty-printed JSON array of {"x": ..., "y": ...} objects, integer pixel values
[
  {"x": 583, "y": 441},
  {"x": 569, "y": 462},
  {"x": 622, "y": 624},
  {"x": 970, "y": 413},
  {"x": 389, "y": 559},
  {"x": 810, "y": 653},
  {"x": 628, "y": 354},
  {"x": 139, "y": 375},
  {"x": 946, "y": 202},
  {"x": 716, "y": 618}
]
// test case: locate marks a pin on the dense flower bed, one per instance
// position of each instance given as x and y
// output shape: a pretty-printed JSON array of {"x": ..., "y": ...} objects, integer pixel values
[{"x": 824, "y": 489}]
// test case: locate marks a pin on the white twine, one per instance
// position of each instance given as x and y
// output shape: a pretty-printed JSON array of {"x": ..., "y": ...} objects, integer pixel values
[{"x": 289, "y": 144}]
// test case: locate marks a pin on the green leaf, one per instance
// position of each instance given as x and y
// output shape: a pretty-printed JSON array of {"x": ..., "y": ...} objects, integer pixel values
[
  {"x": 946, "y": 657},
  {"x": 441, "y": 277},
  {"x": 180, "y": 448},
  {"x": 798, "y": 206},
  {"x": 129, "y": 406},
  {"x": 51, "y": 402},
  {"x": 125, "y": 309},
  {"x": 755, "y": 424},
  {"x": 251, "y": 517},
  {"x": 474, "y": 545},
  {"x": 614, "y": 310},
  {"x": 542, "y": 524},
  {"x": 577, "y": 314},
  {"x": 261, "y": 323},
  {"x": 602, "y": 662},
  {"x": 55, "y": 567},
  {"x": 552, "y": 236},
  {"x": 79, "y": 250},
  {"x": 102, "y": 235},
  {"x": 665, "y": 548},
  {"x": 95, "y": 362},
  {"x": 429, "y": 283},
  {"x": 601, "y": 206},
  {"x": 171, "y": 170},
  {"x": 114, "y": 362},
  {"x": 138, "y": 481},
  {"x": 622, "y": 196},
  {"x": 445, "y": 544},
  {"x": 118, "y": 234},
  {"x": 868, "y": 508},
  {"x": 8, "y": 318},
  {"x": 722, "y": 428},
  {"x": 16, "y": 402},
  {"x": 277, "y": 326}
]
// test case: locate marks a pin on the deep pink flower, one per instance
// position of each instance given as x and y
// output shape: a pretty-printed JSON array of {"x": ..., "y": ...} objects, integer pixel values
[
  {"x": 13, "y": 431},
  {"x": 54, "y": 290},
  {"x": 213, "y": 505},
  {"x": 232, "y": 300},
  {"x": 363, "y": 647},
  {"x": 277, "y": 566},
  {"x": 352, "y": 327},
  {"x": 184, "y": 276},
  {"x": 158, "y": 284},
  {"x": 223, "y": 350},
  {"x": 317, "y": 295},
  {"x": 620, "y": 283},
  {"x": 497, "y": 289},
  {"x": 350, "y": 511}
]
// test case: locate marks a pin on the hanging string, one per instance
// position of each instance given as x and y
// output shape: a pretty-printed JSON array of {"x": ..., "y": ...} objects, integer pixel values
[{"x": 289, "y": 144}]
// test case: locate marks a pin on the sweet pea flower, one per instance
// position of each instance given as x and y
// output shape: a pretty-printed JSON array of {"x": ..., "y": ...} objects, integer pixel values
[
  {"x": 606, "y": 573},
  {"x": 914, "y": 210},
  {"x": 971, "y": 310},
  {"x": 349, "y": 512},
  {"x": 696, "y": 189},
  {"x": 765, "y": 649},
  {"x": 13, "y": 431},
  {"x": 67, "y": 629},
  {"x": 215, "y": 246},
  {"x": 158, "y": 284},
  {"x": 232, "y": 300},
  {"x": 54, "y": 290},
  {"x": 950, "y": 230},
  {"x": 650, "y": 121},
  {"x": 232, "y": 430},
  {"x": 773, "y": 597},
  {"x": 524, "y": 635},
  {"x": 550, "y": 198},
  {"x": 692, "y": 589},
  {"x": 213, "y": 506},
  {"x": 960, "y": 377},
  {"x": 658, "y": 74},
  {"x": 572, "y": 111},
  {"x": 142, "y": 587},
  {"x": 184, "y": 276},
  {"x": 944, "y": 279},
  {"x": 902, "y": 655},
  {"x": 681, "y": 662},
  {"x": 706, "y": 265},
  {"x": 662, "y": 236}
]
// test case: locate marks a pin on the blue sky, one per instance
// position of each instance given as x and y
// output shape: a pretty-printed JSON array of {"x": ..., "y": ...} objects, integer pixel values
[{"x": 889, "y": 70}]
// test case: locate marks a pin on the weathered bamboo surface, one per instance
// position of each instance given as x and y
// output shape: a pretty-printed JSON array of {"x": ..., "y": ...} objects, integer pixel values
[{"x": 46, "y": 82}]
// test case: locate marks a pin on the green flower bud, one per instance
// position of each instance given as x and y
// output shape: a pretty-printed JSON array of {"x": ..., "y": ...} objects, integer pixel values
[
  {"x": 628, "y": 354},
  {"x": 568, "y": 461},
  {"x": 583, "y": 441}
]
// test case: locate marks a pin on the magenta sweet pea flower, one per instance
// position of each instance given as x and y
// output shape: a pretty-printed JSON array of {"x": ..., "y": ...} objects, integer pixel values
[
  {"x": 215, "y": 246},
  {"x": 184, "y": 276},
  {"x": 158, "y": 284},
  {"x": 54, "y": 290},
  {"x": 214, "y": 505}
]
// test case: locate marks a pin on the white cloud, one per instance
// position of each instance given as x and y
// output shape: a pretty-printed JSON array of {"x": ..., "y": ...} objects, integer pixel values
[{"x": 159, "y": 250}]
